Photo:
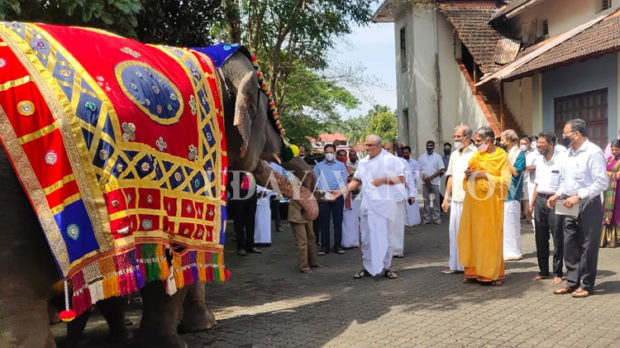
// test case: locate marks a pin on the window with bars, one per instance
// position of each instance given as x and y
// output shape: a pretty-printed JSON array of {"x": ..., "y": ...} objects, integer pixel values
[{"x": 605, "y": 4}]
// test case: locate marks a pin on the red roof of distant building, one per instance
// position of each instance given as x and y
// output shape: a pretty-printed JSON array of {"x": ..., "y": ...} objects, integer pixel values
[{"x": 330, "y": 138}]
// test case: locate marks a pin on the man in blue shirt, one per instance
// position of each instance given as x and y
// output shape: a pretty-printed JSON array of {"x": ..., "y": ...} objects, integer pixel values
[{"x": 331, "y": 175}]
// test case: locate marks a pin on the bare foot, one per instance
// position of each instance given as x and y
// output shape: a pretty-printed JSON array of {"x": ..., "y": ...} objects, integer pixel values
[
  {"x": 541, "y": 277},
  {"x": 557, "y": 280}
]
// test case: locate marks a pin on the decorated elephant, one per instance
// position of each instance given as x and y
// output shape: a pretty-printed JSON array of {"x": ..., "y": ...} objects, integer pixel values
[{"x": 115, "y": 159}]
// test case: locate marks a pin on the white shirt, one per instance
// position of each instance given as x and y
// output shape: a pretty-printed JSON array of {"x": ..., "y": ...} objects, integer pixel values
[
  {"x": 429, "y": 164},
  {"x": 530, "y": 160},
  {"x": 583, "y": 172},
  {"x": 548, "y": 173},
  {"x": 415, "y": 174},
  {"x": 459, "y": 161},
  {"x": 380, "y": 200},
  {"x": 409, "y": 179}
]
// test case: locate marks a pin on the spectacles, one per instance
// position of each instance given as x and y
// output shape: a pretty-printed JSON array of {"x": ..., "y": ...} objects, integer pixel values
[
  {"x": 567, "y": 133},
  {"x": 369, "y": 145}
]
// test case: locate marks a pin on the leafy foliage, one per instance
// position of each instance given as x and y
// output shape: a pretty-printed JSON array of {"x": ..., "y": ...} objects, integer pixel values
[
  {"x": 171, "y": 22},
  {"x": 291, "y": 39},
  {"x": 383, "y": 122},
  {"x": 178, "y": 23},
  {"x": 379, "y": 120},
  {"x": 119, "y": 16}
]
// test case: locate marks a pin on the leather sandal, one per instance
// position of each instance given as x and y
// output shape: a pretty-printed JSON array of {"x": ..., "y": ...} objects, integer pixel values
[
  {"x": 581, "y": 293},
  {"x": 361, "y": 274},
  {"x": 540, "y": 277},
  {"x": 390, "y": 275},
  {"x": 564, "y": 290}
]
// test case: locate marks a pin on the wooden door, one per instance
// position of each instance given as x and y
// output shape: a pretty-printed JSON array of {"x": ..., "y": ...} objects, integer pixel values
[{"x": 591, "y": 107}]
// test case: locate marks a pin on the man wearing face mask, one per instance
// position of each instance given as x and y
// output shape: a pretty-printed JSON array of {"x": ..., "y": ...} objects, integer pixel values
[
  {"x": 447, "y": 150},
  {"x": 531, "y": 155},
  {"x": 431, "y": 167},
  {"x": 480, "y": 237},
  {"x": 583, "y": 177},
  {"x": 331, "y": 175},
  {"x": 455, "y": 192},
  {"x": 547, "y": 223},
  {"x": 512, "y": 206},
  {"x": 413, "y": 208}
]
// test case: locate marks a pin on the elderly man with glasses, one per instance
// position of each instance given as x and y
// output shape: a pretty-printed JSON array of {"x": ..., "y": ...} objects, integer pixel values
[{"x": 380, "y": 174}]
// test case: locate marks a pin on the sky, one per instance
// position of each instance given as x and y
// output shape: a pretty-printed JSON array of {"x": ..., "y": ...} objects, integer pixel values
[{"x": 372, "y": 47}]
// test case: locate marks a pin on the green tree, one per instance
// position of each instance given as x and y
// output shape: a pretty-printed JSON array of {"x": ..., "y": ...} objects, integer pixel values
[
  {"x": 119, "y": 16},
  {"x": 383, "y": 122},
  {"x": 171, "y": 22},
  {"x": 291, "y": 39},
  {"x": 184, "y": 23}
]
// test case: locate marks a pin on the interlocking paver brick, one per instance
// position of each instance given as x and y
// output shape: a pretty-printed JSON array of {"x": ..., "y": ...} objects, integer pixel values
[{"x": 268, "y": 303}]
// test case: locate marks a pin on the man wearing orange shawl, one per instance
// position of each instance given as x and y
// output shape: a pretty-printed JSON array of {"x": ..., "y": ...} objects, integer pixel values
[{"x": 480, "y": 237}]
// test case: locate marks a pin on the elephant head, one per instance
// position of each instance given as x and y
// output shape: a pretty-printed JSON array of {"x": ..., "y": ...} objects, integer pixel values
[{"x": 251, "y": 138}]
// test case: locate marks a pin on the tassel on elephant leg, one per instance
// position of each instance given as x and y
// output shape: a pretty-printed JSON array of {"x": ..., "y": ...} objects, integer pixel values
[{"x": 288, "y": 187}]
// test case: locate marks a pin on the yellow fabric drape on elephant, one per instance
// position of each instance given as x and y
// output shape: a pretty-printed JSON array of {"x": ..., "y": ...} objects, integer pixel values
[{"x": 480, "y": 237}]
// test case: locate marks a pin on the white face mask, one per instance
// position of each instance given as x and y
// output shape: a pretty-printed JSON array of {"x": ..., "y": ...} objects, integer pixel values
[
  {"x": 523, "y": 148},
  {"x": 330, "y": 157},
  {"x": 483, "y": 147},
  {"x": 457, "y": 145}
]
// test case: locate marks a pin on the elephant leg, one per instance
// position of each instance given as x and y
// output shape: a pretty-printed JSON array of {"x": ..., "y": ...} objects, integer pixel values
[
  {"x": 196, "y": 315},
  {"x": 24, "y": 322},
  {"x": 75, "y": 331},
  {"x": 27, "y": 270},
  {"x": 161, "y": 316},
  {"x": 113, "y": 310}
]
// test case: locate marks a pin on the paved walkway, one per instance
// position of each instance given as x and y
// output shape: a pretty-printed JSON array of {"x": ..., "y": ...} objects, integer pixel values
[{"x": 268, "y": 303}]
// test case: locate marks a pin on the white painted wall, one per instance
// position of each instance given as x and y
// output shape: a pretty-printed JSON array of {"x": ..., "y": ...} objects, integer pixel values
[
  {"x": 416, "y": 87},
  {"x": 561, "y": 15},
  {"x": 518, "y": 97},
  {"x": 430, "y": 41},
  {"x": 458, "y": 105}
]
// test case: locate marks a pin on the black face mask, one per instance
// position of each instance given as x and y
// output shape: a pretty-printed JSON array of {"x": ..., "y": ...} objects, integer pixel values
[
  {"x": 503, "y": 146},
  {"x": 429, "y": 150},
  {"x": 447, "y": 152},
  {"x": 566, "y": 141},
  {"x": 545, "y": 152}
]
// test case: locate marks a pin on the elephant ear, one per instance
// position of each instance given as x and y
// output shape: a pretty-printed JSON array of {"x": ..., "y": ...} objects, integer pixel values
[{"x": 245, "y": 108}]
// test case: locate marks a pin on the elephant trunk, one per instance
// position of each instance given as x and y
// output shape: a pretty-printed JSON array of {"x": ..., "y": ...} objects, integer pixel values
[
  {"x": 288, "y": 187},
  {"x": 302, "y": 171}
]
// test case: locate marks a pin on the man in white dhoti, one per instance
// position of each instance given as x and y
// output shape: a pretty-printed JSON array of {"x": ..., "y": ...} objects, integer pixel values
[
  {"x": 413, "y": 208},
  {"x": 397, "y": 226},
  {"x": 379, "y": 174},
  {"x": 455, "y": 191},
  {"x": 512, "y": 205},
  {"x": 262, "y": 219},
  {"x": 531, "y": 156},
  {"x": 351, "y": 213}
]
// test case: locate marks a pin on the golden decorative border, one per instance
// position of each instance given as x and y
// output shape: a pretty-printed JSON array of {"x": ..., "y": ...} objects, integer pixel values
[{"x": 35, "y": 192}]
